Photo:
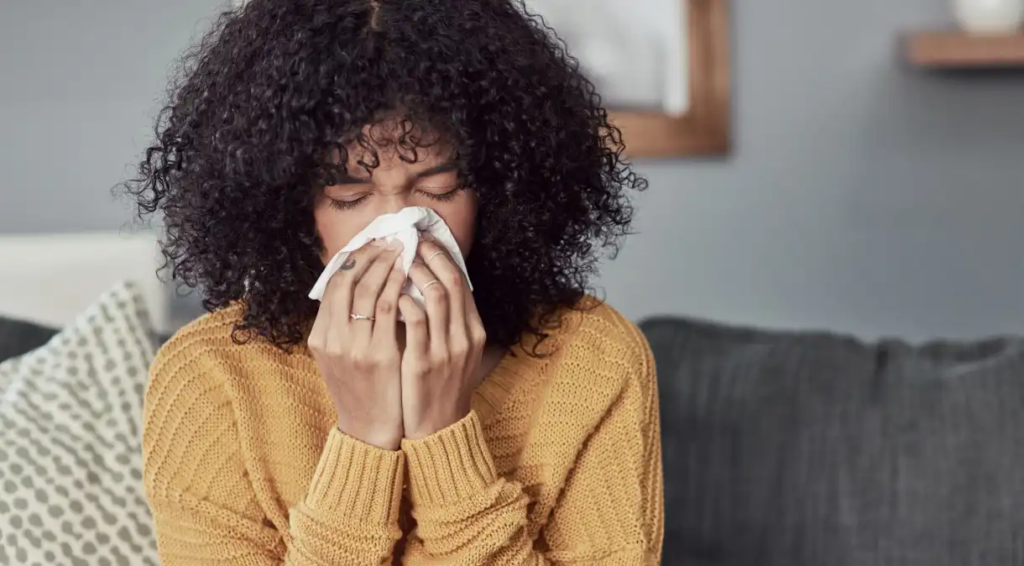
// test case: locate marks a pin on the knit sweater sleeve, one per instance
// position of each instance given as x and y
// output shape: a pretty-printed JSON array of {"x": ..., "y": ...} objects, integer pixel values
[
  {"x": 205, "y": 509},
  {"x": 610, "y": 511}
]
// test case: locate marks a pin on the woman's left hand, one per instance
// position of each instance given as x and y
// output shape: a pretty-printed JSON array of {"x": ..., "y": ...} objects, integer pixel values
[{"x": 444, "y": 345}]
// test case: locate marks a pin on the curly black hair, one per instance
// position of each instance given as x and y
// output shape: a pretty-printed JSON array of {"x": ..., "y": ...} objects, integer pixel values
[{"x": 239, "y": 157}]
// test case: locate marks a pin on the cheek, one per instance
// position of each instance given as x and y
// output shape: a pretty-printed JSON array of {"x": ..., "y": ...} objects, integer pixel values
[
  {"x": 464, "y": 237},
  {"x": 461, "y": 219},
  {"x": 335, "y": 230}
]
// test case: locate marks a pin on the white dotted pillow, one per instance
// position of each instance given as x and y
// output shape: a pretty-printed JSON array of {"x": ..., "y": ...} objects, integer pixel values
[{"x": 70, "y": 463}]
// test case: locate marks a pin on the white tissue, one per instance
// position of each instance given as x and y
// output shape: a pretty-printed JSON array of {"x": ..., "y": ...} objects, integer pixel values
[{"x": 406, "y": 226}]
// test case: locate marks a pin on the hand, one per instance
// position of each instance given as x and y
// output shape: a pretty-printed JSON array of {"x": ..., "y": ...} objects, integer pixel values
[
  {"x": 360, "y": 359},
  {"x": 444, "y": 345}
]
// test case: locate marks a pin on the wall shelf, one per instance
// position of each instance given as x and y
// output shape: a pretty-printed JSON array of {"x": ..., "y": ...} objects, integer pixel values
[{"x": 960, "y": 50}]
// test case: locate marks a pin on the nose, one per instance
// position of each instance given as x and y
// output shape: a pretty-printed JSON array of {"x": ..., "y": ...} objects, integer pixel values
[{"x": 394, "y": 201}]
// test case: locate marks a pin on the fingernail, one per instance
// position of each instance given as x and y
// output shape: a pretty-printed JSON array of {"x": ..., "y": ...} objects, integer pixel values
[
  {"x": 377, "y": 243},
  {"x": 394, "y": 245},
  {"x": 428, "y": 236},
  {"x": 398, "y": 262}
]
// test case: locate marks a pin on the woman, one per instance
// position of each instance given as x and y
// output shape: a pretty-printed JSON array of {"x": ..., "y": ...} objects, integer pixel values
[{"x": 515, "y": 424}]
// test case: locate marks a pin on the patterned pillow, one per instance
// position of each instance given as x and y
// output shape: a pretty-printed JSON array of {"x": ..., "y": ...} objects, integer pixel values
[{"x": 70, "y": 464}]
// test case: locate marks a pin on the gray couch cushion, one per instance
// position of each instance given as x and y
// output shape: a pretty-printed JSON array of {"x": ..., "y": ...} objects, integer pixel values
[
  {"x": 18, "y": 337},
  {"x": 786, "y": 449}
]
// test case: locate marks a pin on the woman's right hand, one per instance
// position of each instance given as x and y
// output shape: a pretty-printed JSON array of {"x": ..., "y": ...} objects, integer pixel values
[{"x": 360, "y": 359}]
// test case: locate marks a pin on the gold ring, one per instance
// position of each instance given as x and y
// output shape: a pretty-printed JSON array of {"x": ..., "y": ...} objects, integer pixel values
[
  {"x": 433, "y": 255},
  {"x": 424, "y": 289},
  {"x": 354, "y": 316}
]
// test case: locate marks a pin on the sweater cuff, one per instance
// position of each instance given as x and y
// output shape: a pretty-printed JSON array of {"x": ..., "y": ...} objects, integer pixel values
[
  {"x": 356, "y": 482},
  {"x": 449, "y": 465}
]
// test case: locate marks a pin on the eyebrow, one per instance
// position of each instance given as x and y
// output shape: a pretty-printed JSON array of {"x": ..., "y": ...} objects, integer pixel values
[
  {"x": 447, "y": 167},
  {"x": 346, "y": 179}
]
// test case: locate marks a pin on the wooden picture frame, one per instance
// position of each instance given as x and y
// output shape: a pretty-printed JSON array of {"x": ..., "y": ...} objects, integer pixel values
[{"x": 705, "y": 128}]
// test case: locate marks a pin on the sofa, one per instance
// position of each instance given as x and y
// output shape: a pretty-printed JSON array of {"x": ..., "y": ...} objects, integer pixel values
[
  {"x": 805, "y": 448},
  {"x": 790, "y": 449}
]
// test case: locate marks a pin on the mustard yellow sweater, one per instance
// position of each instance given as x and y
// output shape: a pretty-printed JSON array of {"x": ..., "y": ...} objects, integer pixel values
[{"x": 558, "y": 463}]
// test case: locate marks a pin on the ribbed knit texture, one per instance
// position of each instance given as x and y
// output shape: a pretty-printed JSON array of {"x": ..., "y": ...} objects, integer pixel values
[{"x": 558, "y": 463}]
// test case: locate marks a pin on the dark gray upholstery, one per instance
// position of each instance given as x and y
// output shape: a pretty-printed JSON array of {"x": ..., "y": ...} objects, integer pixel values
[
  {"x": 810, "y": 449},
  {"x": 18, "y": 337},
  {"x": 789, "y": 449}
]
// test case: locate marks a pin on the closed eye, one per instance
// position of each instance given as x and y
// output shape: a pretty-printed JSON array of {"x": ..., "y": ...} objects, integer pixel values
[
  {"x": 441, "y": 197},
  {"x": 347, "y": 204}
]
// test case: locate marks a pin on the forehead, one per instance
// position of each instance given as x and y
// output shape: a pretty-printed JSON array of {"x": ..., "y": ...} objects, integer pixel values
[{"x": 397, "y": 143}]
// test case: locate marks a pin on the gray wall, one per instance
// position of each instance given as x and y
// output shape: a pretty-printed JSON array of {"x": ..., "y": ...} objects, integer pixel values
[
  {"x": 79, "y": 88},
  {"x": 861, "y": 196}
]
